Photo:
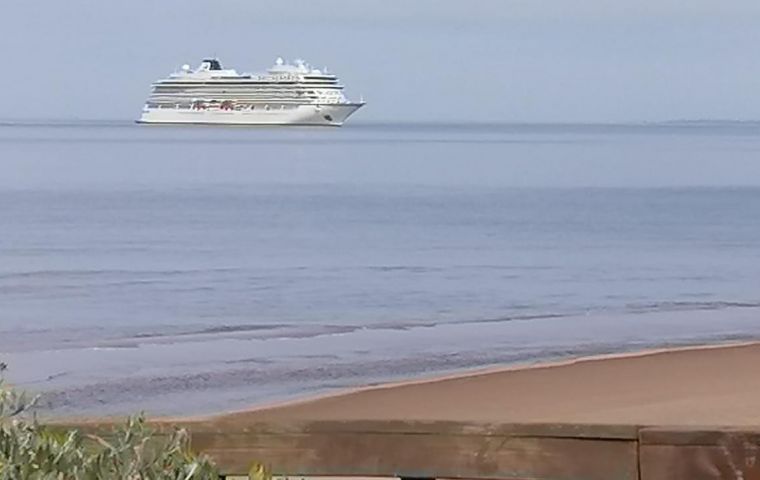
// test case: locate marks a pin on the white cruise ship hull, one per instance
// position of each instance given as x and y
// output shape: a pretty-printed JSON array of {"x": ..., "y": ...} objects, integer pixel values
[{"x": 305, "y": 114}]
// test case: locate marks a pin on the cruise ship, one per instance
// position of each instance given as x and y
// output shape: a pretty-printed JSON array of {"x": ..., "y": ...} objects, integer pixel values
[{"x": 286, "y": 94}]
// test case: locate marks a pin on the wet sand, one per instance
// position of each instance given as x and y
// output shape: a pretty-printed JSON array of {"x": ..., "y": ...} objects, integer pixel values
[{"x": 711, "y": 385}]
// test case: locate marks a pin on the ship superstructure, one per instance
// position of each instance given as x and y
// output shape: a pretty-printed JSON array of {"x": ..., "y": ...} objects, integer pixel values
[{"x": 286, "y": 94}]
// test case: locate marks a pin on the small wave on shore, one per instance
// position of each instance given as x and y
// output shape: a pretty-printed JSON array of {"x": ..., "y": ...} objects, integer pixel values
[{"x": 218, "y": 373}]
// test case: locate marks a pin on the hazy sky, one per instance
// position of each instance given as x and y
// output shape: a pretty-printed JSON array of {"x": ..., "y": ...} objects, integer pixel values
[{"x": 466, "y": 60}]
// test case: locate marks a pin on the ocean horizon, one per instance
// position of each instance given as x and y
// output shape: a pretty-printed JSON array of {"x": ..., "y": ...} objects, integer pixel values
[{"x": 183, "y": 270}]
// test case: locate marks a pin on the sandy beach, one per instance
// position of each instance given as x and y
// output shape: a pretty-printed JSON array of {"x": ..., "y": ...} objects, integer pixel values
[{"x": 710, "y": 385}]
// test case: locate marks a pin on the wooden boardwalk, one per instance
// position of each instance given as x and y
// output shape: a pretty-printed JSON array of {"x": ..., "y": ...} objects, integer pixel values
[{"x": 457, "y": 450}]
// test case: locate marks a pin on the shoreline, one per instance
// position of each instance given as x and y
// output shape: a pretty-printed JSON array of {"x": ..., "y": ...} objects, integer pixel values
[
  {"x": 299, "y": 438},
  {"x": 302, "y": 408}
]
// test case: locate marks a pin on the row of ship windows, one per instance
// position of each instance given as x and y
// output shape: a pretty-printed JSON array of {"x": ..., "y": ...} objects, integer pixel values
[
  {"x": 251, "y": 83},
  {"x": 204, "y": 106},
  {"x": 158, "y": 97},
  {"x": 168, "y": 98},
  {"x": 243, "y": 98},
  {"x": 251, "y": 87},
  {"x": 259, "y": 92}
]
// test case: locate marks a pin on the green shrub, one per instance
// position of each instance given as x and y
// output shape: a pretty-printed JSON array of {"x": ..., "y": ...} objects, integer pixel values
[{"x": 29, "y": 450}]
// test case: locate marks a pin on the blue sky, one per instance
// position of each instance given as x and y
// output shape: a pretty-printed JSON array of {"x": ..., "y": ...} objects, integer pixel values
[{"x": 426, "y": 60}]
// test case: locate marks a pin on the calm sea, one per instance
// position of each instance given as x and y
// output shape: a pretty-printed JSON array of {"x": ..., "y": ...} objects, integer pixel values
[{"x": 184, "y": 270}]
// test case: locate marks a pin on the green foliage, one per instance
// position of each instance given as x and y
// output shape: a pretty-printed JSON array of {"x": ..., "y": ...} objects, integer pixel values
[
  {"x": 259, "y": 471},
  {"x": 29, "y": 450}
]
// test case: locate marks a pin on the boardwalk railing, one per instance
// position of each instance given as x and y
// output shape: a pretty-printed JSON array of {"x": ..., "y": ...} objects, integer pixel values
[{"x": 453, "y": 450}]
